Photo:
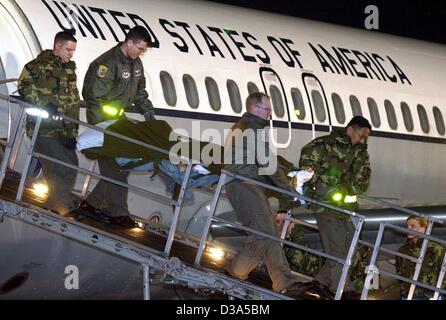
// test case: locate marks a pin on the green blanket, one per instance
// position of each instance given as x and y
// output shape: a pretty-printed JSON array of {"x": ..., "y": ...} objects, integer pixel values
[{"x": 155, "y": 133}]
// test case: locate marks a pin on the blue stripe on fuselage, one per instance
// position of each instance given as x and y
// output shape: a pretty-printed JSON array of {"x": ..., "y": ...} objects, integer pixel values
[{"x": 284, "y": 124}]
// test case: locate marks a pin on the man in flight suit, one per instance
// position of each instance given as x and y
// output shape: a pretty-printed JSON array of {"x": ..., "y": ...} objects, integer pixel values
[
  {"x": 114, "y": 83},
  {"x": 49, "y": 83},
  {"x": 243, "y": 157}
]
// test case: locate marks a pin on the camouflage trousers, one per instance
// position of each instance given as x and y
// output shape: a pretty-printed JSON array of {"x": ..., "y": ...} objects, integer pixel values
[
  {"x": 60, "y": 179},
  {"x": 339, "y": 236},
  {"x": 253, "y": 210}
]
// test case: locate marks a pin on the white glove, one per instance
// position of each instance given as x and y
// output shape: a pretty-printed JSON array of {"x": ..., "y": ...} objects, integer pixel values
[
  {"x": 302, "y": 176},
  {"x": 200, "y": 169}
]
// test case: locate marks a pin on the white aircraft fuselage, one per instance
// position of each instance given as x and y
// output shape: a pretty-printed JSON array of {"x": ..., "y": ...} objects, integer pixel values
[
  {"x": 322, "y": 62},
  {"x": 205, "y": 55}
]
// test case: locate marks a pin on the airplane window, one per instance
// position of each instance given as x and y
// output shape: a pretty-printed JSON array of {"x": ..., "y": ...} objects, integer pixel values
[
  {"x": 298, "y": 102},
  {"x": 234, "y": 96},
  {"x": 318, "y": 104},
  {"x": 170, "y": 95},
  {"x": 391, "y": 116},
  {"x": 277, "y": 100},
  {"x": 191, "y": 91},
  {"x": 439, "y": 122},
  {"x": 424, "y": 121},
  {"x": 252, "y": 87},
  {"x": 407, "y": 116},
  {"x": 213, "y": 94},
  {"x": 374, "y": 112},
  {"x": 338, "y": 107},
  {"x": 356, "y": 106}
]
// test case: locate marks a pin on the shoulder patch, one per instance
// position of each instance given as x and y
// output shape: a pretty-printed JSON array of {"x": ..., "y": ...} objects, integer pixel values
[
  {"x": 125, "y": 74},
  {"x": 102, "y": 71}
]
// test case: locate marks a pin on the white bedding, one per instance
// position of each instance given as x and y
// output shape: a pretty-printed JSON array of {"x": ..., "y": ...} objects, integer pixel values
[{"x": 92, "y": 138}]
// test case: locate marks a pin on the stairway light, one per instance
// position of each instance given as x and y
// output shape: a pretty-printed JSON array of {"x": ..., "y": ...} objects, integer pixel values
[
  {"x": 216, "y": 253},
  {"x": 40, "y": 189}
]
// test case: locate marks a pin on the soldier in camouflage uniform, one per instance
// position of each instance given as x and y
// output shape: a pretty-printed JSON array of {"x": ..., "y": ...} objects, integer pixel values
[
  {"x": 49, "y": 82},
  {"x": 115, "y": 82},
  {"x": 310, "y": 264},
  {"x": 299, "y": 260},
  {"x": 431, "y": 266},
  {"x": 340, "y": 162}
]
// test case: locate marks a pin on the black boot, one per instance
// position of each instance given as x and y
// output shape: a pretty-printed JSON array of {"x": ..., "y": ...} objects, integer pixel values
[
  {"x": 124, "y": 221},
  {"x": 74, "y": 215},
  {"x": 93, "y": 213},
  {"x": 300, "y": 291}
]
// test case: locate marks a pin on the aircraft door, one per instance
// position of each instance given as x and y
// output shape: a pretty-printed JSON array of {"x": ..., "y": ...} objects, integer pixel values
[
  {"x": 4, "y": 111},
  {"x": 317, "y": 100},
  {"x": 272, "y": 85}
]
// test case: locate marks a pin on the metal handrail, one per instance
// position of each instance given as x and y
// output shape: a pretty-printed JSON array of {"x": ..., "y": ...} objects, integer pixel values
[
  {"x": 389, "y": 251},
  {"x": 227, "y": 177},
  {"x": 4, "y": 81},
  {"x": 418, "y": 234},
  {"x": 296, "y": 195},
  {"x": 430, "y": 220},
  {"x": 399, "y": 208},
  {"x": 416, "y": 283},
  {"x": 372, "y": 269},
  {"x": 31, "y": 153},
  {"x": 11, "y": 139},
  {"x": 105, "y": 131},
  {"x": 119, "y": 183},
  {"x": 178, "y": 203},
  {"x": 283, "y": 241}
]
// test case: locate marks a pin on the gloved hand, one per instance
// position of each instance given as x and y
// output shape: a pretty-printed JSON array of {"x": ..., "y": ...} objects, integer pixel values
[
  {"x": 51, "y": 108},
  {"x": 298, "y": 178},
  {"x": 70, "y": 140},
  {"x": 149, "y": 115},
  {"x": 70, "y": 143}
]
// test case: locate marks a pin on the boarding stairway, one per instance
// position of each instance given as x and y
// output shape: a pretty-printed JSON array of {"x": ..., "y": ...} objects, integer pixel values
[{"x": 181, "y": 258}]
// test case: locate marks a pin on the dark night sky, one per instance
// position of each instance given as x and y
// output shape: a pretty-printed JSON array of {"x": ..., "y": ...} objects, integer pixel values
[{"x": 425, "y": 20}]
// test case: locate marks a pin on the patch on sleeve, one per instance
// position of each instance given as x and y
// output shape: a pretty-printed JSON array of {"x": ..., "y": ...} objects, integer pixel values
[
  {"x": 125, "y": 74},
  {"x": 102, "y": 71},
  {"x": 137, "y": 73}
]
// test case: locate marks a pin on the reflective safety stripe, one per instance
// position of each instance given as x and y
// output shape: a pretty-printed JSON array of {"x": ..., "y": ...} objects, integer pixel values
[
  {"x": 112, "y": 110},
  {"x": 350, "y": 199}
]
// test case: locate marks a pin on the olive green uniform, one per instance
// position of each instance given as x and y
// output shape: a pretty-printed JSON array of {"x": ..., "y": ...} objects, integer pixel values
[
  {"x": 117, "y": 81},
  {"x": 252, "y": 206}
]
